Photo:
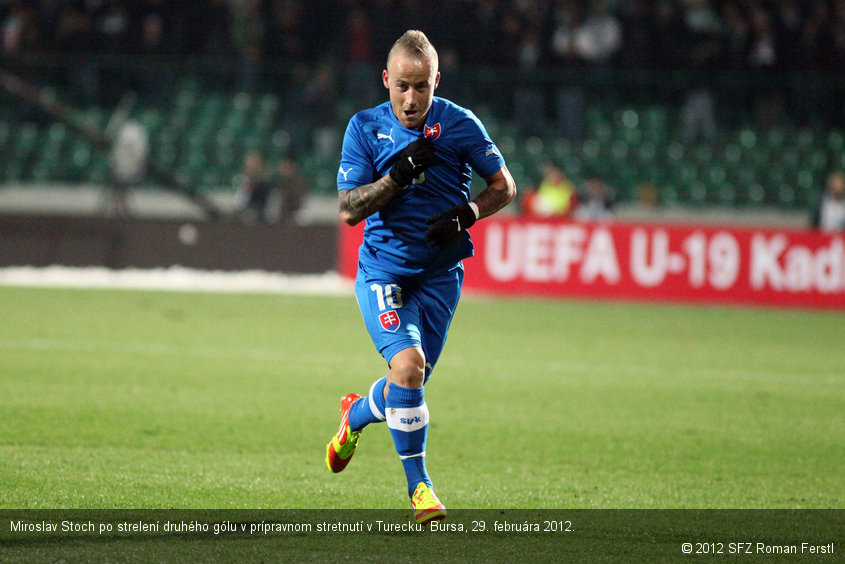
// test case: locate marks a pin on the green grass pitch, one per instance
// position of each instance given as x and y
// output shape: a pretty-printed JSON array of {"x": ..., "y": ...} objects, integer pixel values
[{"x": 135, "y": 399}]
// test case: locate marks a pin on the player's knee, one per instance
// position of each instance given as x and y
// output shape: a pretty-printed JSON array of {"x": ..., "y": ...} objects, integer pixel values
[{"x": 407, "y": 368}]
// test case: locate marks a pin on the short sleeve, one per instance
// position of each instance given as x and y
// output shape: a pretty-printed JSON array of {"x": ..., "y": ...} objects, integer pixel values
[{"x": 356, "y": 165}]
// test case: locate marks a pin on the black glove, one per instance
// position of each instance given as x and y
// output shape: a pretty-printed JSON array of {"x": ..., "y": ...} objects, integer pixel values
[
  {"x": 413, "y": 160},
  {"x": 446, "y": 226}
]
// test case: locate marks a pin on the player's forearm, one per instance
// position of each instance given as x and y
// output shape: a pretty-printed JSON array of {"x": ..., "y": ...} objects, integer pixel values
[
  {"x": 500, "y": 191},
  {"x": 361, "y": 202}
]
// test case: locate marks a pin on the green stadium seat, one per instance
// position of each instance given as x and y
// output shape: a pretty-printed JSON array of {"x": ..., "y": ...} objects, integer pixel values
[
  {"x": 702, "y": 153},
  {"x": 726, "y": 194},
  {"x": 572, "y": 165},
  {"x": 646, "y": 153},
  {"x": 627, "y": 118},
  {"x": 619, "y": 151},
  {"x": 26, "y": 141},
  {"x": 675, "y": 152},
  {"x": 789, "y": 157},
  {"x": 715, "y": 173},
  {"x": 5, "y": 134},
  {"x": 41, "y": 172},
  {"x": 785, "y": 197},
  {"x": 591, "y": 150},
  {"x": 775, "y": 138},
  {"x": 776, "y": 174},
  {"x": 698, "y": 193},
  {"x": 98, "y": 172},
  {"x": 806, "y": 139},
  {"x": 561, "y": 148},
  {"x": 601, "y": 132},
  {"x": 668, "y": 195},
  {"x": 685, "y": 173},
  {"x": 756, "y": 194},
  {"x": 835, "y": 141},
  {"x": 747, "y": 139},
  {"x": 655, "y": 118},
  {"x": 745, "y": 176},
  {"x": 597, "y": 115},
  {"x": 818, "y": 161},
  {"x": 13, "y": 171},
  {"x": 631, "y": 136}
]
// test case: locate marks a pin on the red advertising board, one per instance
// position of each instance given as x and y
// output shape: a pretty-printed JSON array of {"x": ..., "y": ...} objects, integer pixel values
[{"x": 516, "y": 256}]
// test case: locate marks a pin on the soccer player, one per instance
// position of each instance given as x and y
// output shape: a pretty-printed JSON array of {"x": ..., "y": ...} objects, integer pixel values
[{"x": 406, "y": 167}]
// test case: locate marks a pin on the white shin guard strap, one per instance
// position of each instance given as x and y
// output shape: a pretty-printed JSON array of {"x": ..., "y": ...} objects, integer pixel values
[{"x": 407, "y": 419}]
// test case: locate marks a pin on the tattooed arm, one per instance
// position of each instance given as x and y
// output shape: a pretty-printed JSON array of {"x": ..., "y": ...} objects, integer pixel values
[
  {"x": 359, "y": 203},
  {"x": 500, "y": 191}
]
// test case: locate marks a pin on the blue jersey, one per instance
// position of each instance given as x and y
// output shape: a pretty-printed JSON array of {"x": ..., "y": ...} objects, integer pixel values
[{"x": 394, "y": 237}]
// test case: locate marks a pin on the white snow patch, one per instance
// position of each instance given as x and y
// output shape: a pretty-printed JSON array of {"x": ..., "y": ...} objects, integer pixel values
[{"x": 176, "y": 278}]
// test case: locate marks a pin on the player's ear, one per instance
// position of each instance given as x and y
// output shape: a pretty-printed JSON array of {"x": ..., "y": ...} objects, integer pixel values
[
  {"x": 385, "y": 78},
  {"x": 436, "y": 79}
]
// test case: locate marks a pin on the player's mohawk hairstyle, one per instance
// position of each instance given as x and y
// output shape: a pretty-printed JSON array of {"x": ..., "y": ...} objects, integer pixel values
[{"x": 414, "y": 42}]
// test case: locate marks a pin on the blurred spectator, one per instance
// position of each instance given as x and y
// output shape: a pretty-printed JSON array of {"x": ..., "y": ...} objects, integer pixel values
[
  {"x": 214, "y": 30},
  {"x": 19, "y": 31},
  {"x": 128, "y": 161},
  {"x": 359, "y": 59},
  {"x": 529, "y": 99},
  {"x": 648, "y": 196},
  {"x": 480, "y": 46},
  {"x": 763, "y": 50},
  {"x": 698, "y": 116},
  {"x": 570, "y": 99},
  {"x": 733, "y": 85},
  {"x": 596, "y": 201},
  {"x": 316, "y": 111},
  {"x": 807, "y": 88},
  {"x": 75, "y": 35},
  {"x": 698, "y": 113},
  {"x": 835, "y": 48},
  {"x": 763, "y": 56},
  {"x": 293, "y": 188},
  {"x": 829, "y": 215},
  {"x": 254, "y": 190},
  {"x": 154, "y": 79},
  {"x": 600, "y": 37},
  {"x": 248, "y": 31},
  {"x": 554, "y": 196},
  {"x": 670, "y": 37},
  {"x": 111, "y": 23},
  {"x": 285, "y": 30}
]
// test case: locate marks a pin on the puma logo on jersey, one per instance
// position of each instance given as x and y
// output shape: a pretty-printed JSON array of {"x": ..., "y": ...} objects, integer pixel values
[
  {"x": 345, "y": 172},
  {"x": 389, "y": 135},
  {"x": 491, "y": 151}
]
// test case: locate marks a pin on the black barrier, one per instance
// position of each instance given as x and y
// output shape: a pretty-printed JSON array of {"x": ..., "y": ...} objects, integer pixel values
[
  {"x": 511, "y": 535},
  {"x": 159, "y": 243}
]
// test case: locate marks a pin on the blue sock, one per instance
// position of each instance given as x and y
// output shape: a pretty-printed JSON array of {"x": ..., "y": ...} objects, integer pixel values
[
  {"x": 368, "y": 409},
  {"x": 407, "y": 417}
]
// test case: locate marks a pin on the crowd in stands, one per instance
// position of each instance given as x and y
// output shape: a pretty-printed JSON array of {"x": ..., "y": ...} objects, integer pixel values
[
  {"x": 737, "y": 58},
  {"x": 736, "y": 34},
  {"x": 254, "y": 37}
]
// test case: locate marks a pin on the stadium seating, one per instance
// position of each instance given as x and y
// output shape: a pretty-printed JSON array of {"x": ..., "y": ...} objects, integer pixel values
[{"x": 202, "y": 135}]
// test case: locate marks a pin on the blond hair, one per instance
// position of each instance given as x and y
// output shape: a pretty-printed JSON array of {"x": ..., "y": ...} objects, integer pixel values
[{"x": 414, "y": 43}]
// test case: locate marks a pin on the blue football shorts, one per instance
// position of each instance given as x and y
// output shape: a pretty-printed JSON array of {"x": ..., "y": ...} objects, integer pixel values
[{"x": 408, "y": 312}]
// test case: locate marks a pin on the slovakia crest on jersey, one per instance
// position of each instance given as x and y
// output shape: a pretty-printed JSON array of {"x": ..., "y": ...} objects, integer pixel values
[
  {"x": 433, "y": 131},
  {"x": 389, "y": 321}
]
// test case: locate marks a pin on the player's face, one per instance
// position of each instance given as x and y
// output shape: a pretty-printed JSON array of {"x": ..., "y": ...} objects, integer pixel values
[{"x": 411, "y": 82}]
